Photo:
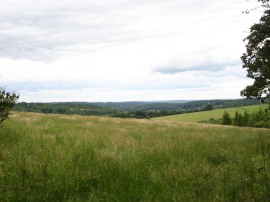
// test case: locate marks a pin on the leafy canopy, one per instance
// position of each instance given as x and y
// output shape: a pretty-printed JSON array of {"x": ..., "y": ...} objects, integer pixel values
[
  {"x": 7, "y": 102},
  {"x": 257, "y": 57}
]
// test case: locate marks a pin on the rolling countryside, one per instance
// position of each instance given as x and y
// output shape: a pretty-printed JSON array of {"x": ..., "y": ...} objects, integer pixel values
[
  {"x": 80, "y": 158},
  {"x": 216, "y": 114}
]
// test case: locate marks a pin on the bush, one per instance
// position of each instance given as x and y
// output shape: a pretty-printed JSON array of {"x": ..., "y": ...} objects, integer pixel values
[
  {"x": 227, "y": 120},
  {"x": 259, "y": 119},
  {"x": 7, "y": 102}
]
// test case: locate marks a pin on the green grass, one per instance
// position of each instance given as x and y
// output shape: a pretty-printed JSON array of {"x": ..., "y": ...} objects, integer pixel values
[
  {"x": 206, "y": 115},
  {"x": 76, "y": 158}
]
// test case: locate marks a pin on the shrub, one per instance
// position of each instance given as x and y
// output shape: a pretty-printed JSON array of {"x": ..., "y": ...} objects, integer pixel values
[
  {"x": 7, "y": 102},
  {"x": 227, "y": 120}
]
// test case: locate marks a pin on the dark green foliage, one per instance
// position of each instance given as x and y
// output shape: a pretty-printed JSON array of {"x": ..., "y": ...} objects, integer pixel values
[
  {"x": 259, "y": 119},
  {"x": 240, "y": 120},
  {"x": 208, "y": 107},
  {"x": 227, "y": 120},
  {"x": 179, "y": 106},
  {"x": 256, "y": 60},
  {"x": 64, "y": 108},
  {"x": 212, "y": 121},
  {"x": 7, "y": 102},
  {"x": 235, "y": 121},
  {"x": 141, "y": 110},
  {"x": 246, "y": 118},
  {"x": 265, "y": 3},
  {"x": 88, "y": 109}
]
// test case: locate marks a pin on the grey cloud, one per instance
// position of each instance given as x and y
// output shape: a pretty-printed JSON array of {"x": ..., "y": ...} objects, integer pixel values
[
  {"x": 43, "y": 30},
  {"x": 159, "y": 84},
  {"x": 36, "y": 86},
  {"x": 43, "y": 34},
  {"x": 208, "y": 66},
  {"x": 209, "y": 59},
  {"x": 35, "y": 31},
  {"x": 40, "y": 37},
  {"x": 133, "y": 85}
]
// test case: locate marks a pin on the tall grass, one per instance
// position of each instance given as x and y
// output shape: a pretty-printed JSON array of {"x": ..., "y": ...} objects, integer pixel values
[{"x": 75, "y": 158}]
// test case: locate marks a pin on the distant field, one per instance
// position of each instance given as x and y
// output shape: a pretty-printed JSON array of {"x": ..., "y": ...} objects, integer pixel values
[
  {"x": 206, "y": 115},
  {"x": 77, "y": 158}
]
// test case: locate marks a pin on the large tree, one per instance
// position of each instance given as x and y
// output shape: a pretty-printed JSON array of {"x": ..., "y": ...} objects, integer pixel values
[
  {"x": 7, "y": 102},
  {"x": 257, "y": 57}
]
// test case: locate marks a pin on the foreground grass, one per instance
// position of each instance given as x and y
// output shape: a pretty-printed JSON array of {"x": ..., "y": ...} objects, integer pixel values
[
  {"x": 206, "y": 115},
  {"x": 75, "y": 158}
]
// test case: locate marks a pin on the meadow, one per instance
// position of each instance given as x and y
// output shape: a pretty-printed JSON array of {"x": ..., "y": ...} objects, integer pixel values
[
  {"x": 215, "y": 114},
  {"x": 79, "y": 158}
]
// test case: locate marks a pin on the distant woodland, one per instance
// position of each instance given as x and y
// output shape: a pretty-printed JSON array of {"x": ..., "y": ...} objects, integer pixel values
[{"x": 131, "y": 109}]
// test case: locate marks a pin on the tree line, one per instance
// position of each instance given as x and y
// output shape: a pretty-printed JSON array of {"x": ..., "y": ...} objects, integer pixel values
[
  {"x": 88, "y": 109},
  {"x": 258, "y": 119}
]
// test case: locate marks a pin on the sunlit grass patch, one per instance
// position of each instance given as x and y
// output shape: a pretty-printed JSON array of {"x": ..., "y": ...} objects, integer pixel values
[{"x": 206, "y": 115}]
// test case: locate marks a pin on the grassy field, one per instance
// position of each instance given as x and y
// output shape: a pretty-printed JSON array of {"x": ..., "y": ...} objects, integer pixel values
[
  {"x": 76, "y": 158},
  {"x": 206, "y": 115}
]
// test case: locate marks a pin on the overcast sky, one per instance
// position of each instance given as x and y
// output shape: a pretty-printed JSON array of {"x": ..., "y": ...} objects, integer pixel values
[{"x": 123, "y": 50}]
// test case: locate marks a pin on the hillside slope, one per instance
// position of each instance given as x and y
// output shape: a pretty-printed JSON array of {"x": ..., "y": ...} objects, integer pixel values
[
  {"x": 77, "y": 158},
  {"x": 206, "y": 115}
]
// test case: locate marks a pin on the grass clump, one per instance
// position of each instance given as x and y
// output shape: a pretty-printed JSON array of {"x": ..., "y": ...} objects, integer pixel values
[{"x": 75, "y": 158}]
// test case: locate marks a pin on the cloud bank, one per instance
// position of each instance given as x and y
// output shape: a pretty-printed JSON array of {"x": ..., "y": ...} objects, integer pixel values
[{"x": 101, "y": 49}]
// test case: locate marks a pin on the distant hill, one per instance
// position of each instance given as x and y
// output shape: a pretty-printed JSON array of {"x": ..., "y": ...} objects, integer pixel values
[
  {"x": 81, "y": 108},
  {"x": 135, "y": 109},
  {"x": 176, "y": 105},
  {"x": 141, "y": 106}
]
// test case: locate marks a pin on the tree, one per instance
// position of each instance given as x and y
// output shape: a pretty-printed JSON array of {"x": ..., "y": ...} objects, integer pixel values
[
  {"x": 265, "y": 3},
  {"x": 226, "y": 119},
  {"x": 236, "y": 118},
  {"x": 246, "y": 118},
  {"x": 257, "y": 57},
  {"x": 7, "y": 102},
  {"x": 240, "y": 120},
  {"x": 208, "y": 107}
]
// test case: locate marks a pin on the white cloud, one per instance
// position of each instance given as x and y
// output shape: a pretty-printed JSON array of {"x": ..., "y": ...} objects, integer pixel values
[{"x": 123, "y": 50}]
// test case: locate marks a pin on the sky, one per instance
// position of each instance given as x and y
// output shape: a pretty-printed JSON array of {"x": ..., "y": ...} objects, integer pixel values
[{"x": 124, "y": 50}]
